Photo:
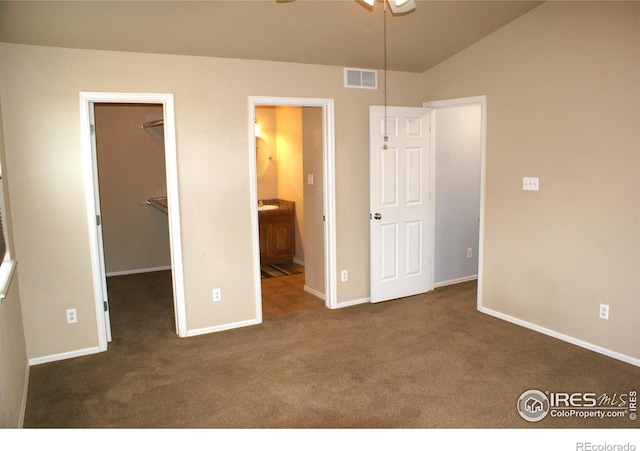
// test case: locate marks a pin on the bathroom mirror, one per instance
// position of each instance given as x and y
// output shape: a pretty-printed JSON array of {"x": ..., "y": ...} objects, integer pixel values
[{"x": 263, "y": 157}]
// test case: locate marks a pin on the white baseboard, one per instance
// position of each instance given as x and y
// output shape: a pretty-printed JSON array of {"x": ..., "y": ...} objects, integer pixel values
[
  {"x": 95, "y": 350},
  {"x": 138, "y": 271},
  {"x": 455, "y": 281},
  {"x": 353, "y": 302},
  {"x": 208, "y": 330},
  {"x": 316, "y": 293},
  {"x": 298, "y": 261},
  {"x": 64, "y": 356},
  {"x": 559, "y": 336}
]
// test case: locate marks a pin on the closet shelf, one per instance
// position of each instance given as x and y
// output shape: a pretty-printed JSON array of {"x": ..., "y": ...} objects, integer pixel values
[
  {"x": 151, "y": 124},
  {"x": 159, "y": 203}
]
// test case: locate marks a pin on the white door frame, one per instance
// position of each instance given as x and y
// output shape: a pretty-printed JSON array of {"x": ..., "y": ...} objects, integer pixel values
[
  {"x": 87, "y": 102},
  {"x": 451, "y": 103},
  {"x": 328, "y": 159}
]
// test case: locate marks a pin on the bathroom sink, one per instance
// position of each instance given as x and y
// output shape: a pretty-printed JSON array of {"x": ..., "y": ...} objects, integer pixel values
[{"x": 267, "y": 207}]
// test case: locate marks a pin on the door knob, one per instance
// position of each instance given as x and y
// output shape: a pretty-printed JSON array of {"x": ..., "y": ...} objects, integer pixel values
[{"x": 377, "y": 216}]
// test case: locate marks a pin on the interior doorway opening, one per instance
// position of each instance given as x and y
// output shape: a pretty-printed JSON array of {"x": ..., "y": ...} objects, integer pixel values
[
  {"x": 292, "y": 184},
  {"x": 162, "y": 104},
  {"x": 290, "y": 199},
  {"x": 460, "y": 135},
  {"x": 132, "y": 191},
  {"x": 131, "y": 181}
]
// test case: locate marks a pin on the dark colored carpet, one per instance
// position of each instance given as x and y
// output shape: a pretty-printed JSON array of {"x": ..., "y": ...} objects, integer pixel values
[{"x": 428, "y": 361}]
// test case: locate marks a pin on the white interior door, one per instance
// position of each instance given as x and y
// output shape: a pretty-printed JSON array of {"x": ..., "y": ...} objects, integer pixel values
[
  {"x": 400, "y": 204},
  {"x": 102, "y": 280}
]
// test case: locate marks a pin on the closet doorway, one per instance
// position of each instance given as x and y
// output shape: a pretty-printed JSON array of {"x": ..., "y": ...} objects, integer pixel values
[
  {"x": 131, "y": 179},
  {"x": 133, "y": 200},
  {"x": 292, "y": 178},
  {"x": 134, "y": 215}
]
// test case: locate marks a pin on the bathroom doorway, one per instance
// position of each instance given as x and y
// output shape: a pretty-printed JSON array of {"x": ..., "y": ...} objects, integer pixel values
[{"x": 290, "y": 143}]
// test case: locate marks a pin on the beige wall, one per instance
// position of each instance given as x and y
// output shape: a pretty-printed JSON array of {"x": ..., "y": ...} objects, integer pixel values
[
  {"x": 563, "y": 104},
  {"x": 40, "y": 98},
  {"x": 131, "y": 168},
  {"x": 313, "y": 200},
  {"x": 14, "y": 367}
]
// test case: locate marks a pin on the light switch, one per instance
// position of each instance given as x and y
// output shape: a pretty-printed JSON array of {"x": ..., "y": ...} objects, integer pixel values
[
  {"x": 309, "y": 179},
  {"x": 530, "y": 183}
]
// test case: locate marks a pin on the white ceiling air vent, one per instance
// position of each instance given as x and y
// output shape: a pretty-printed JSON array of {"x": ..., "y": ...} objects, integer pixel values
[{"x": 360, "y": 78}]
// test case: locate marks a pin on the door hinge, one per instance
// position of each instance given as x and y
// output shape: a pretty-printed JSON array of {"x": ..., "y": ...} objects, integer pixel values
[
  {"x": 98, "y": 220},
  {"x": 92, "y": 129},
  {"x": 324, "y": 218},
  {"x": 106, "y": 306}
]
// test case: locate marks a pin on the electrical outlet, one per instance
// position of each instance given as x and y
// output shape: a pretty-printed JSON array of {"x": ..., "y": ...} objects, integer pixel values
[
  {"x": 72, "y": 316},
  {"x": 469, "y": 252},
  {"x": 530, "y": 183},
  {"x": 344, "y": 276},
  {"x": 604, "y": 311},
  {"x": 217, "y": 295}
]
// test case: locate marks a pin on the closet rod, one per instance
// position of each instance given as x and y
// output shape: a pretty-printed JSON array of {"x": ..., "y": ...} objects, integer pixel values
[
  {"x": 151, "y": 124},
  {"x": 159, "y": 203}
]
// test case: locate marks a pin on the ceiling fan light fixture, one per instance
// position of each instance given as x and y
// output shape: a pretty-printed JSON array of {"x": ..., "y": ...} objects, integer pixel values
[
  {"x": 397, "y": 6},
  {"x": 402, "y": 6}
]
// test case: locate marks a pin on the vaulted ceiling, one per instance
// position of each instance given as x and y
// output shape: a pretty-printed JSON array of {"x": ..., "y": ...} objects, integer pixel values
[{"x": 332, "y": 32}]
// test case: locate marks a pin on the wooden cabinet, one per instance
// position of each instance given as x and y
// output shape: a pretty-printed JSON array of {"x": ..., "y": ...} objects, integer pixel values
[{"x": 277, "y": 235}]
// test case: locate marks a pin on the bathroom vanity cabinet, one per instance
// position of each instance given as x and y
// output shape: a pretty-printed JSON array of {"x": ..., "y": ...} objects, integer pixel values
[{"x": 277, "y": 232}]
